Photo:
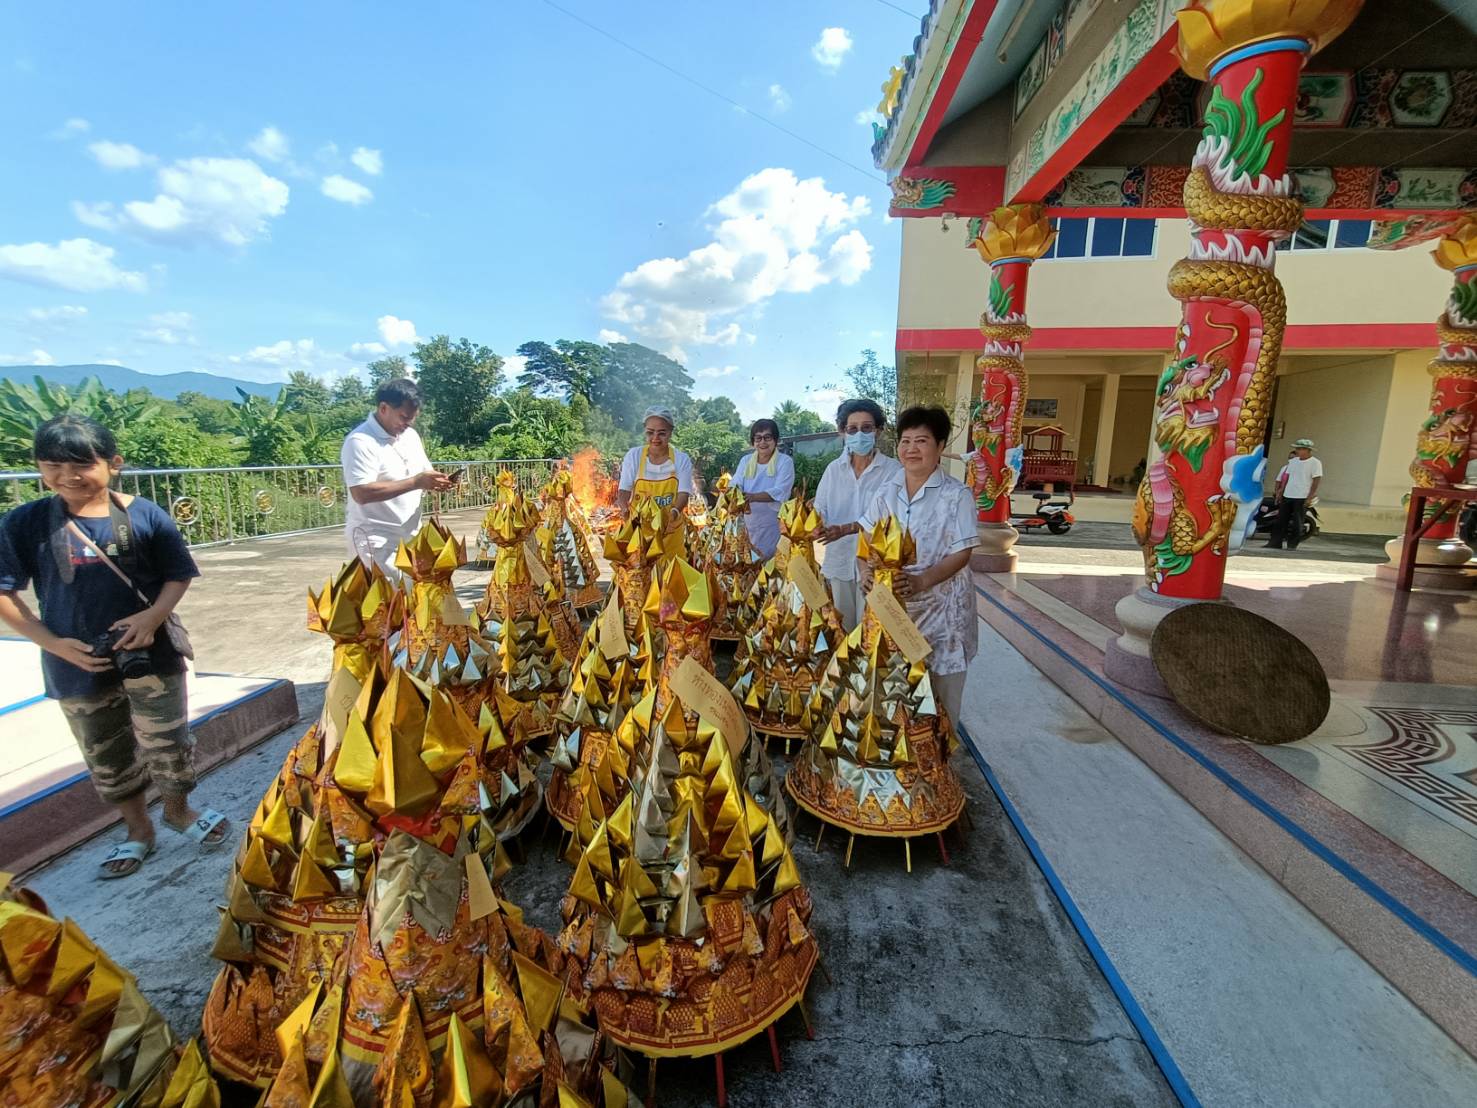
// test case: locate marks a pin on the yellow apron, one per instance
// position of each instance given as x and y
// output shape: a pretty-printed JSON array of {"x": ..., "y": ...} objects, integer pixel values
[{"x": 663, "y": 492}]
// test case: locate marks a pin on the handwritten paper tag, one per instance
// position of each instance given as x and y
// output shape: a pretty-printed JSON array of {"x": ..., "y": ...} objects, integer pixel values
[
  {"x": 613, "y": 630},
  {"x": 481, "y": 900},
  {"x": 898, "y": 624},
  {"x": 536, "y": 568},
  {"x": 705, "y": 694},
  {"x": 803, "y": 575},
  {"x": 452, "y": 612},
  {"x": 782, "y": 550},
  {"x": 343, "y": 689}
]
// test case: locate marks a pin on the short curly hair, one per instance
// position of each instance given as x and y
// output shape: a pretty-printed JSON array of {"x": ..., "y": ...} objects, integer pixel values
[
  {"x": 935, "y": 420},
  {"x": 870, "y": 407}
]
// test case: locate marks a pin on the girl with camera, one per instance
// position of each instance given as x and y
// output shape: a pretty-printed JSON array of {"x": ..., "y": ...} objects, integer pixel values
[{"x": 108, "y": 570}]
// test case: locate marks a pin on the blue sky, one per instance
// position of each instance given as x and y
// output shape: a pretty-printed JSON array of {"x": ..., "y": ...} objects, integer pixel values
[{"x": 252, "y": 189}]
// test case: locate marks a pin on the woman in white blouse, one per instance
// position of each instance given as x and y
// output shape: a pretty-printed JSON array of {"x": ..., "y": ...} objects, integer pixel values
[
  {"x": 939, "y": 511},
  {"x": 766, "y": 477}
]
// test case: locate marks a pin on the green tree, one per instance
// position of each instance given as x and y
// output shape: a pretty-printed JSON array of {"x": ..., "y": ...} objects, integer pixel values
[
  {"x": 213, "y": 416},
  {"x": 714, "y": 447},
  {"x": 565, "y": 370},
  {"x": 267, "y": 432},
  {"x": 23, "y": 408},
  {"x": 795, "y": 420},
  {"x": 524, "y": 425},
  {"x": 636, "y": 378},
  {"x": 386, "y": 369},
  {"x": 173, "y": 443},
  {"x": 877, "y": 382},
  {"x": 351, "y": 390},
  {"x": 306, "y": 393},
  {"x": 457, "y": 381},
  {"x": 717, "y": 409}
]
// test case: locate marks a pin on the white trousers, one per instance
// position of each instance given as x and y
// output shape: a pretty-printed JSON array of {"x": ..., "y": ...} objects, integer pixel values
[
  {"x": 374, "y": 545},
  {"x": 948, "y": 690},
  {"x": 849, "y": 599}
]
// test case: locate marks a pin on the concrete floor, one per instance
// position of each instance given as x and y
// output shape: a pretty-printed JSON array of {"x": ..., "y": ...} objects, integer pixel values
[{"x": 955, "y": 985}]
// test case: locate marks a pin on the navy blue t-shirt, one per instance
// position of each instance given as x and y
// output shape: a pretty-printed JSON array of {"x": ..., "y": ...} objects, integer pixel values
[{"x": 96, "y": 598}]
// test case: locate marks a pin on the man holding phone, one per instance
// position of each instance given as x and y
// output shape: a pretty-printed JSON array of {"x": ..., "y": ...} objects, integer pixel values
[{"x": 387, "y": 473}]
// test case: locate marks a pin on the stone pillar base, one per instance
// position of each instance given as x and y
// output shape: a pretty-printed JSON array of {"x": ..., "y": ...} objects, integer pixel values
[
  {"x": 1455, "y": 569},
  {"x": 1127, "y": 659},
  {"x": 994, "y": 553}
]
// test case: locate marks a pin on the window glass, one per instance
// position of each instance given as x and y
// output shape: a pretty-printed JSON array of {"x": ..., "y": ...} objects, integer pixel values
[
  {"x": 1071, "y": 238},
  {"x": 1352, "y": 233},
  {"x": 1312, "y": 235},
  {"x": 1138, "y": 237},
  {"x": 1107, "y": 238}
]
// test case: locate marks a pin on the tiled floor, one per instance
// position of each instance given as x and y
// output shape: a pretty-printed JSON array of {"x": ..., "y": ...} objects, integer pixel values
[{"x": 1398, "y": 750}]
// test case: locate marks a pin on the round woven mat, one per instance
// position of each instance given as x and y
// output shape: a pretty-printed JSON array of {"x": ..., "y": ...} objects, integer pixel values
[{"x": 1240, "y": 674}]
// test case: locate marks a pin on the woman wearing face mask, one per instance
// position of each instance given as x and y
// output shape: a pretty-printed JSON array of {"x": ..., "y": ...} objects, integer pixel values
[
  {"x": 939, "y": 511},
  {"x": 848, "y": 485},
  {"x": 766, "y": 477}
]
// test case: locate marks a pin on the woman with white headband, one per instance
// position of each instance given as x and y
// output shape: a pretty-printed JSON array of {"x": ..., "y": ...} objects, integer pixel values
[
  {"x": 657, "y": 472},
  {"x": 766, "y": 477}
]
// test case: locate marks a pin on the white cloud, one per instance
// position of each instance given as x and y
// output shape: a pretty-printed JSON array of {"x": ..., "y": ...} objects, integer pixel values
[
  {"x": 222, "y": 200},
  {"x": 78, "y": 265},
  {"x": 775, "y": 234},
  {"x": 170, "y": 329},
  {"x": 513, "y": 367},
  {"x": 396, "y": 331},
  {"x": 717, "y": 371},
  {"x": 608, "y": 336},
  {"x": 868, "y": 116},
  {"x": 831, "y": 47},
  {"x": 369, "y": 161},
  {"x": 35, "y": 357},
  {"x": 73, "y": 126},
  {"x": 109, "y": 361},
  {"x": 270, "y": 144},
  {"x": 63, "y": 313},
  {"x": 340, "y": 188},
  {"x": 824, "y": 402},
  {"x": 779, "y": 99},
  {"x": 274, "y": 361},
  {"x": 286, "y": 354},
  {"x": 119, "y": 155}
]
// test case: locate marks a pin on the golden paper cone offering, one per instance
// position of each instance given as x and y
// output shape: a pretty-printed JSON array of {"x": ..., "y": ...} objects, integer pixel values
[
  {"x": 402, "y": 759},
  {"x": 506, "y": 491},
  {"x": 444, "y": 997},
  {"x": 525, "y": 615},
  {"x": 567, "y": 544},
  {"x": 876, "y": 761},
  {"x": 686, "y": 921},
  {"x": 779, "y": 669},
  {"x": 633, "y": 552},
  {"x": 427, "y": 562},
  {"x": 734, "y": 563},
  {"x": 611, "y": 672},
  {"x": 74, "y": 1028},
  {"x": 359, "y": 610}
]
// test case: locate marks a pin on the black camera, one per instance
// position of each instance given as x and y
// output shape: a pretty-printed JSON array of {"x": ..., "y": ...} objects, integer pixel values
[{"x": 129, "y": 663}]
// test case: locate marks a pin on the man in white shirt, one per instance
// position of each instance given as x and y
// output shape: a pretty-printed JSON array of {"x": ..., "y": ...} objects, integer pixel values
[
  {"x": 848, "y": 485},
  {"x": 1304, "y": 472},
  {"x": 387, "y": 472}
]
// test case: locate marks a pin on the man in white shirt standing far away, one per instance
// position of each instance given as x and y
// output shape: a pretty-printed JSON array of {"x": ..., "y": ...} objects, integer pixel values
[
  {"x": 1304, "y": 472},
  {"x": 387, "y": 472},
  {"x": 848, "y": 485}
]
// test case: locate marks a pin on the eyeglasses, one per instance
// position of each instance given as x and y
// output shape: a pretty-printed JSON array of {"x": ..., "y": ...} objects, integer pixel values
[{"x": 764, "y": 436}]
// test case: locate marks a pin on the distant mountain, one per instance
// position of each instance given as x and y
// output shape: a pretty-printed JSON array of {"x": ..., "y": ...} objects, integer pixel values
[{"x": 121, "y": 379}]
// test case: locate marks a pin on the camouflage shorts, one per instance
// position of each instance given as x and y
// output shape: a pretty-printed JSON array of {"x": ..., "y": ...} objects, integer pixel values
[{"x": 132, "y": 732}]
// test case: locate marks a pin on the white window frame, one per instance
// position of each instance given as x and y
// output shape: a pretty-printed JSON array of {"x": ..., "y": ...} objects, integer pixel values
[{"x": 1120, "y": 256}]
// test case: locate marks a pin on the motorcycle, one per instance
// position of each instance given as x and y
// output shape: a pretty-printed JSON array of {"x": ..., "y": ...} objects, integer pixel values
[
  {"x": 1266, "y": 516},
  {"x": 1051, "y": 514}
]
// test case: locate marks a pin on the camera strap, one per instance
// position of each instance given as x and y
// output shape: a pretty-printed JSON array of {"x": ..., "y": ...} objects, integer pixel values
[
  {"x": 92, "y": 546},
  {"x": 61, "y": 525}
]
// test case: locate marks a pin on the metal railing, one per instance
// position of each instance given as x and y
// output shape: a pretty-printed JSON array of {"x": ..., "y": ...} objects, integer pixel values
[{"x": 225, "y": 505}]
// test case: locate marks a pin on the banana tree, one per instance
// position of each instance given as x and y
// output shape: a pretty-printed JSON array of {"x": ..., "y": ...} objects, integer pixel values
[{"x": 23, "y": 408}]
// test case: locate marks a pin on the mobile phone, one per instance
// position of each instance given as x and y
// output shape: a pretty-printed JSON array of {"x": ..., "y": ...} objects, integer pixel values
[{"x": 456, "y": 476}]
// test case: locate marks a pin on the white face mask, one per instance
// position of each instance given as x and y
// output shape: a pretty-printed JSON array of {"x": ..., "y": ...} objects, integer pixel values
[{"x": 861, "y": 442}]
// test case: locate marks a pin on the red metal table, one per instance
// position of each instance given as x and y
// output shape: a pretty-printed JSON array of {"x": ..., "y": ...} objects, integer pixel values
[{"x": 1416, "y": 526}]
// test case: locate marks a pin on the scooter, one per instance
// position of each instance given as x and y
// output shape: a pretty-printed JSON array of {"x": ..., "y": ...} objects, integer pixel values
[
  {"x": 1266, "y": 516},
  {"x": 1051, "y": 514}
]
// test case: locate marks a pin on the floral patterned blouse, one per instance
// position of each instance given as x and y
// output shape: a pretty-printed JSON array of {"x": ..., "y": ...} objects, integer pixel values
[{"x": 941, "y": 516}]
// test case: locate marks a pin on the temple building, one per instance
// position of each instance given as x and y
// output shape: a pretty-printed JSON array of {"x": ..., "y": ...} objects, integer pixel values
[{"x": 1083, "y": 106}]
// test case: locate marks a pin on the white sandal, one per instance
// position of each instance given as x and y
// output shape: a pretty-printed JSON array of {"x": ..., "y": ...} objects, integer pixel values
[
  {"x": 131, "y": 851},
  {"x": 203, "y": 826}
]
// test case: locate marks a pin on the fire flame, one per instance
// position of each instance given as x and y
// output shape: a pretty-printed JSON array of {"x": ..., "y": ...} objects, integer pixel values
[{"x": 593, "y": 487}]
